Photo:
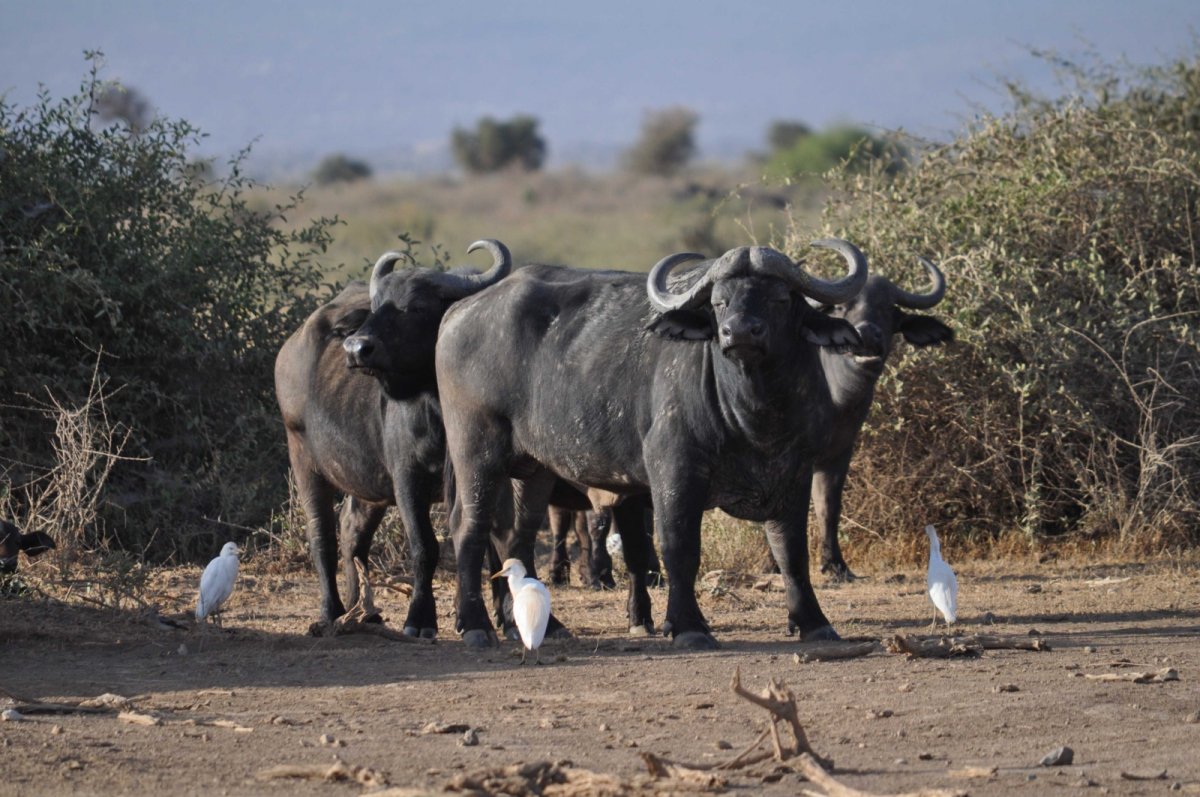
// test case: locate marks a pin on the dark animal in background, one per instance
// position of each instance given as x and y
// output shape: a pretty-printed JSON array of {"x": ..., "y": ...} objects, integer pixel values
[
  {"x": 13, "y": 541},
  {"x": 594, "y": 564},
  {"x": 719, "y": 400},
  {"x": 878, "y": 314},
  {"x": 377, "y": 441}
]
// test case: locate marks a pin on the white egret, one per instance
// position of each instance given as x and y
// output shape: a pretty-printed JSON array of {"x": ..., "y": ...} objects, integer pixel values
[
  {"x": 943, "y": 586},
  {"x": 216, "y": 585},
  {"x": 530, "y": 606}
]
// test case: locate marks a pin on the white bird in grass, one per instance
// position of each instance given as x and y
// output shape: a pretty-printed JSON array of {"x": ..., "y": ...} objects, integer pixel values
[
  {"x": 943, "y": 586},
  {"x": 216, "y": 585},
  {"x": 530, "y": 606}
]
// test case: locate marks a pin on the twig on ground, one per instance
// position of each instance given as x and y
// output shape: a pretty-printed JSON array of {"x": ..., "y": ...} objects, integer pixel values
[
  {"x": 833, "y": 788},
  {"x": 338, "y": 771},
  {"x": 830, "y": 651}
]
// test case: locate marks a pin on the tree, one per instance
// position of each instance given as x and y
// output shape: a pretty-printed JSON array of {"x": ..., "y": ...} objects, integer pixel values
[
  {"x": 783, "y": 134},
  {"x": 340, "y": 169},
  {"x": 666, "y": 143},
  {"x": 496, "y": 145},
  {"x": 120, "y": 268},
  {"x": 816, "y": 153},
  {"x": 113, "y": 102}
]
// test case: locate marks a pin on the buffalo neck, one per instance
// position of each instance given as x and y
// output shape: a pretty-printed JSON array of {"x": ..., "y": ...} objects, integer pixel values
[{"x": 851, "y": 384}]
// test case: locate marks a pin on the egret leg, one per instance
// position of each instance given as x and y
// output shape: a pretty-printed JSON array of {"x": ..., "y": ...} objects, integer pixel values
[
  {"x": 524, "y": 653},
  {"x": 537, "y": 657}
]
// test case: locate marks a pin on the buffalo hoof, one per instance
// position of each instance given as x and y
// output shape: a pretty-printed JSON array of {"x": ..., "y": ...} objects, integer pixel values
[
  {"x": 838, "y": 572},
  {"x": 823, "y": 634},
  {"x": 512, "y": 634},
  {"x": 562, "y": 632},
  {"x": 420, "y": 633},
  {"x": 695, "y": 640},
  {"x": 655, "y": 580},
  {"x": 640, "y": 631},
  {"x": 376, "y": 618},
  {"x": 478, "y": 638}
]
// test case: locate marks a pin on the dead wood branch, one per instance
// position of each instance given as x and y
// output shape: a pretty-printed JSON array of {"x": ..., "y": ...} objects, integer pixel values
[
  {"x": 362, "y": 617},
  {"x": 1156, "y": 677},
  {"x": 107, "y": 703},
  {"x": 833, "y": 788},
  {"x": 780, "y": 702},
  {"x": 338, "y": 771},
  {"x": 831, "y": 651},
  {"x": 931, "y": 648}
]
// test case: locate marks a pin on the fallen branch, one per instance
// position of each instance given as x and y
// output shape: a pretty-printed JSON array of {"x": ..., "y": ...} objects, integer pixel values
[
  {"x": 105, "y": 704},
  {"x": 362, "y": 617},
  {"x": 338, "y": 771},
  {"x": 780, "y": 702},
  {"x": 831, "y": 651},
  {"x": 931, "y": 647},
  {"x": 1157, "y": 677},
  {"x": 832, "y": 788}
]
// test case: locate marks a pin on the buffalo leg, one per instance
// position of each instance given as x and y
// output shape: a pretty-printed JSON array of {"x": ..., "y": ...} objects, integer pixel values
[
  {"x": 317, "y": 496},
  {"x": 628, "y": 520},
  {"x": 599, "y": 527},
  {"x": 358, "y": 522},
  {"x": 789, "y": 543},
  {"x": 828, "y": 482},
  {"x": 562, "y": 522},
  {"x": 471, "y": 539},
  {"x": 678, "y": 494},
  {"x": 414, "y": 496}
]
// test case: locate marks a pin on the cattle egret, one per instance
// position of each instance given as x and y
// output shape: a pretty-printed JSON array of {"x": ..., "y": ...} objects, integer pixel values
[
  {"x": 530, "y": 608},
  {"x": 216, "y": 584},
  {"x": 943, "y": 586},
  {"x": 613, "y": 545}
]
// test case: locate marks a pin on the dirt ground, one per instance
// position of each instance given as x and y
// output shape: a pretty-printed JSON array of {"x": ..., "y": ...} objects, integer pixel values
[{"x": 890, "y": 724}]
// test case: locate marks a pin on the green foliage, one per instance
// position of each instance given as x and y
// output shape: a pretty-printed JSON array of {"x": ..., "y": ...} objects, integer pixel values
[
  {"x": 119, "y": 268},
  {"x": 340, "y": 169},
  {"x": 784, "y": 134},
  {"x": 816, "y": 153},
  {"x": 666, "y": 144},
  {"x": 1071, "y": 400},
  {"x": 496, "y": 145}
]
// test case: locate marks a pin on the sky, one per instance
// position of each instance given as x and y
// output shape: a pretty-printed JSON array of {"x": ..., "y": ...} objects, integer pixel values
[{"x": 388, "y": 81}]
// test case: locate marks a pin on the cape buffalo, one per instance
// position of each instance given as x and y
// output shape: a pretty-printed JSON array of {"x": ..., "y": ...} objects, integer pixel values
[
  {"x": 379, "y": 441},
  {"x": 878, "y": 314},
  {"x": 713, "y": 396},
  {"x": 13, "y": 541}
]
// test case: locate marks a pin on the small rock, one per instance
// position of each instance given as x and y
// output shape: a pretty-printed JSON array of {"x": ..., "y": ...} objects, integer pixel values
[
  {"x": 904, "y": 687},
  {"x": 1034, "y": 632},
  {"x": 329, "y": 741},
  {"x": 1031, "y": 777},
  {"x": 1058, "y": 757},
  {"x": 925, "y": 756},
  {"x": 1192, "y": 718},
  {"x": 1034, "y": 589},
  {"x": 900, "y": 762},
  {"x": 1089, "y": 648},
  {"x": 547, "y": 723},
  {"x": 56, "y": 730},
  {"x": 183, "y": 651},
  {"x": 11, "y": 715},
  {"x": 1007, "y": 688},
  {"x": 604, "y": 727},
  {"x": 879, "y": 714},
  {"x": 988, "y": 618},
  {"x": 469, "y": 738},
  {"x": 723, "y": 745}
]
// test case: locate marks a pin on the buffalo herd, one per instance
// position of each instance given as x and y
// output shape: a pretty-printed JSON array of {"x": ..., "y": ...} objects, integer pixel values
[{"x": 601, "y": 398}]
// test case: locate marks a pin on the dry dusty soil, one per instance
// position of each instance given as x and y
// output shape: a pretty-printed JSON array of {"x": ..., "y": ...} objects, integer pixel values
[{"x": 232, "y": 704}]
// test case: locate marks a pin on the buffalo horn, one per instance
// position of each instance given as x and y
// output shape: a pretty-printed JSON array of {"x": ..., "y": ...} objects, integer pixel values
[
  {"x": 466, "y": 284},
  {"x": 383, "y": 267},
  {"x": 923, "y": 301},
  {"x": 656, "y": 284},
  {"x": 834, "y": 291}
]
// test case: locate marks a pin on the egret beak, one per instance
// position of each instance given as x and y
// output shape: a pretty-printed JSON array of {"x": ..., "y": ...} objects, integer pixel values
[{"x": 502, "y": 574}]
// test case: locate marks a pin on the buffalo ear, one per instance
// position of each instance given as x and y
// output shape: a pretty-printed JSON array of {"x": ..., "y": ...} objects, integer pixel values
[
  {"x": 684, "y": 325},
  {"x": 36, "y": 543},
  {"x": 834, "y": 333},
  {"x": 924, "y": 330},
  {"x": 349, "y": 323}
]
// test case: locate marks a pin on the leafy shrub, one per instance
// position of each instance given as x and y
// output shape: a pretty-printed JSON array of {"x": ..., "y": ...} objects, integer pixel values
[
  {"x": 666, "y": 143},
  {"x": 496, "y": 145},
  {"x": 121, "y": 270},
  {"x": 783, "y": 134},
  {"x": 340, "y": 169},
  {"x": 1071, "y": 401},
  {"x": 816, "y": 153}
]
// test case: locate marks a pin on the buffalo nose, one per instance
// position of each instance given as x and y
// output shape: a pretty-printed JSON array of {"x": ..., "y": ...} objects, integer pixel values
[
  {"x": 358, "y": 347},
  {"x": 872, "y": 337},
  {"x": 742, "y": 332}
]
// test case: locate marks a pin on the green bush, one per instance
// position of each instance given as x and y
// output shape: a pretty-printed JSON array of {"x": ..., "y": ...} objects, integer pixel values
[
  {"x": 496, "y": 145},
  {"x": 121, "y": 269},
  {"x": 1070, "y": 403},
  {"x": 340, "y": 169},
  {"x": 816, "y": 153},
  {"x": 666, "y": 144}
]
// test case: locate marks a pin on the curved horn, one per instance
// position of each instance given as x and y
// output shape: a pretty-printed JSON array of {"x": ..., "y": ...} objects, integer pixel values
[
  {"x": 383, "y": 267},
  {"x": 664, "y": 300},
  {"x": 835, "y": 291},
  {"x": 460, "y": 285},
  {"x": 923, "y": 301}
]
